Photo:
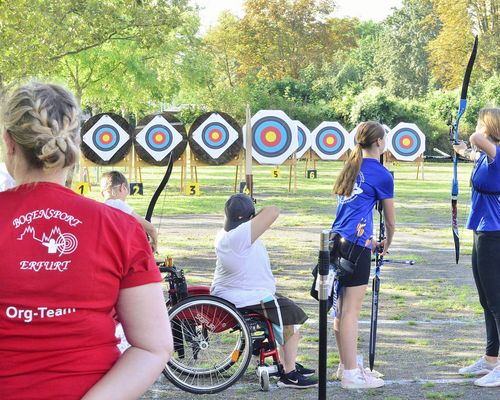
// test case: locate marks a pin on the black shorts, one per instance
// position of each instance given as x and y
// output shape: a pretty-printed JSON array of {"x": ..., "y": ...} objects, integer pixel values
[
  {"x": 362, "y": 256},
  {"x": 286, "y": 310}
]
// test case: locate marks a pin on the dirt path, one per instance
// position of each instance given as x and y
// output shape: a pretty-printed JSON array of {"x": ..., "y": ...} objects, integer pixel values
[{"x": 429, "y": 322}]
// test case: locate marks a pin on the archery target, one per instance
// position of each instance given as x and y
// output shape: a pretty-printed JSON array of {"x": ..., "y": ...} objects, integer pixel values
[
  {"x": 406, "y": 142},
  {"x": 158, "y": 136},
  {"x": 106, "y": 138},
  {"x": 215, "y": 138},
  {"x": 304, "y": 138},
  {"x": 274, "y": 137},
  {"x": 330, "y": 140}
]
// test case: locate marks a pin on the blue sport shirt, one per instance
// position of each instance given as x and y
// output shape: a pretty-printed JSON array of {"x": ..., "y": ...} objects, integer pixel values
[
  {"x": 485, "y": 208},
  {"x": 374, "y": 182}
]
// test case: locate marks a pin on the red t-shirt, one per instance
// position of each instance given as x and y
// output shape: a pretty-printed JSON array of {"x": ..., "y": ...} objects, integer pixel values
[{"x": 64, "y": 260}]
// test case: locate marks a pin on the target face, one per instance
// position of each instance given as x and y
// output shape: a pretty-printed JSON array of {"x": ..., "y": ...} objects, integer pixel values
[
  {"x": 304, "y": 139},
  {"x": 106, "y": 137},
  {"x": 215, "y": 135},
  {"x": 274, "y": 137},
  {"x": 158, "y": 138},
  {"x": 330, "y": 140},
  {"x": 406, "y": 142}
]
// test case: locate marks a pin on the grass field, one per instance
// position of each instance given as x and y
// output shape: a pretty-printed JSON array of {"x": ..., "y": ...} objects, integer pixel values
[{"x": 430, "y": 318}]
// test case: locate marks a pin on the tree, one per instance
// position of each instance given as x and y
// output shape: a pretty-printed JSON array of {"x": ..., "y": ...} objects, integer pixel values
[
  {"x": 280, "y": 37},
  {"x": 401, "y": 58},
  {"x": 450, "y": 50},
  {"x": 36, "y": 34}
]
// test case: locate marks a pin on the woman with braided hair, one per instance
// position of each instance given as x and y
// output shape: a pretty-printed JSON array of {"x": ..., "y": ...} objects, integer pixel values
[
  {"x": 361, "y": 183},
  {"x": 67, "y": 264}
]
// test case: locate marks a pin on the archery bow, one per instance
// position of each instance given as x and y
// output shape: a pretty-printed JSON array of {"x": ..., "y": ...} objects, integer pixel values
[
  {"x": 159, "y": 189},
  {"x": 379, "y": 261},
  {"x": 454, "y": 140}
]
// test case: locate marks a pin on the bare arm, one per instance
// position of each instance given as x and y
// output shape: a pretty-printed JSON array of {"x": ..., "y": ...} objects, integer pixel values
[
  {"x": 390, "y": 223},
  {"x": 263, "y": 220},
  {"x": 481, "y": 141},
  {"x": 144, "y": 317},
  {"x": 149, "y": 229}
]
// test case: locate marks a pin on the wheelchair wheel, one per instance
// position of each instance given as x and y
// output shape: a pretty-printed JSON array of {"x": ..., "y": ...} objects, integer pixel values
[{"x": 212, "y": 345}]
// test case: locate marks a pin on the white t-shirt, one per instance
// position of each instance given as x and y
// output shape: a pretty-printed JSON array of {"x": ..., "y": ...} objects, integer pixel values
[
  {"x": 6, "y": 181},
  {"x": 243, "y": 272},
  {"x": 120, "y": 205}
]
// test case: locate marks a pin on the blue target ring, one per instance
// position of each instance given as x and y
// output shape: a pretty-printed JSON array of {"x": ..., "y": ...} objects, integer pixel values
[
  {"x": 215, "y": 135},
  {"x": 406, "y": 142},
  {"x": 158, "y": 137},
  {"x": 105, "y": 138},
  {"x": 330, "y": 140},
  {"x": 302, "y": 138},
  {"x": 271, "y": 136}
]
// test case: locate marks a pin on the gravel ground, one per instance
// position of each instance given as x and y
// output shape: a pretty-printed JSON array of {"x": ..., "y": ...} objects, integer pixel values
[{"x": 418, "y": 352}]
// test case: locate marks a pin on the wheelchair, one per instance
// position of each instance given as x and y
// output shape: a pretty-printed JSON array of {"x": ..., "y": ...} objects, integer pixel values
[{"x": 213, "y": 341}]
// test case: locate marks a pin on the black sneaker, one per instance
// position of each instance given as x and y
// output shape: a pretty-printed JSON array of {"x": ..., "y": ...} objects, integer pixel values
[
  {"x": 303, "y": 370},
  {"x": 295, "y": 380}
]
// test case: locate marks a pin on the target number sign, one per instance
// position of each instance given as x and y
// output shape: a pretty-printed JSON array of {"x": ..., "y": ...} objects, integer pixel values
[
  {"x": 106, "y": 137},
  {"x": 81, "y": 188},
  {"x": 274, "y": 137},
  {"x": 136, "y": 189},
  {"x": 215, "y": 135},
  {"x": 312, "y": 174},
  {"x": 158, "y": 138},
  {"x": 330, "y": 140},
  {"x": 193, "y": 189},
  {"x": 406, "y": 142},
  {"x": 244, "y": 188},
  {"x": 276, "y": 172},
  {"x": 303, "y": 137}
]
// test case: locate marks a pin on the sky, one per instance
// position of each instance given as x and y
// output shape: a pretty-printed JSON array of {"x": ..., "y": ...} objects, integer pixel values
[{"x": 375, "y": 10}]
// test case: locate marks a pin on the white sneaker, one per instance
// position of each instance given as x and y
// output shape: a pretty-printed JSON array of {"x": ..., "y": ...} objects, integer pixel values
[
  {"x": 359, "y": 359},
  {"x": 490, "y": 380},
  {"x": 480, "y": 367},
  {"x": 359, "y": 379}
]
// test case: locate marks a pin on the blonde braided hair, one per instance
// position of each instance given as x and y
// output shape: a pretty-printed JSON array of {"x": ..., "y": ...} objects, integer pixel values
[{"x": 44, "y": 119}]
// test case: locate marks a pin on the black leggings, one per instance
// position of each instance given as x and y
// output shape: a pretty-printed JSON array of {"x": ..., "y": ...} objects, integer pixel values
[{"x": 486, "y": 270}]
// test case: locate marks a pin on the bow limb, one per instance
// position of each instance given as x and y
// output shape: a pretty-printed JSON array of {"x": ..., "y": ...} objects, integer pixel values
[
  {"x": 454, "y": 140},
  {"x": 159, "y": 189}
]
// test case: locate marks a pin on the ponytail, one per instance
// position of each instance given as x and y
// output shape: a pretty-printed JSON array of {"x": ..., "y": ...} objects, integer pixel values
[{"x": 344, "y": 185}]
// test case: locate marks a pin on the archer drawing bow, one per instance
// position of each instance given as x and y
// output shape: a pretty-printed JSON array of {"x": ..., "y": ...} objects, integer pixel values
[{"x": 454, "y": 140}]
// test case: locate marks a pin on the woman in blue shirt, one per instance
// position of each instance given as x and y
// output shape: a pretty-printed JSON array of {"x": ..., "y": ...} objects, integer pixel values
[
  {"x": 362, "y": 182},
  {"x": 484, "y": 220}
]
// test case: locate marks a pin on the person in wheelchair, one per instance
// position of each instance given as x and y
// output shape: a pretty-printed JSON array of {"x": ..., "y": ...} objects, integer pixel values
[{"x": 243, "y": 277}]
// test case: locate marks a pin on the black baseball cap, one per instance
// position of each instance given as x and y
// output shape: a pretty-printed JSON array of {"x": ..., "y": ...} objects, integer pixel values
[{"x": 238, "y": 209}]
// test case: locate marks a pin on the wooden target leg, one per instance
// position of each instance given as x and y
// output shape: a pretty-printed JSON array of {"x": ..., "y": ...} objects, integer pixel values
[
  {"x": 236, "y": 177},
  {"x": 290, "y": 180}
]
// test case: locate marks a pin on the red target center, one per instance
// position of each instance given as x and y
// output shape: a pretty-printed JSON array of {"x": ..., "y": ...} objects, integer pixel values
[
  {"x": 406, "y": 142},
  {"x": 106, "y": 137},
  {"x": 330, "y": 140},
  {"x": 215, "y": 135},
  {"x": 158, "y": 137},
  {"x": 270, "y": 136}
]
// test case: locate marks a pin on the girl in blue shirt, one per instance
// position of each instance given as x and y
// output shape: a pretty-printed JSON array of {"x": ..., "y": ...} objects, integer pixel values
[
  {"x": 484, "y": 220},
  {"x": 362, "y": 182}
]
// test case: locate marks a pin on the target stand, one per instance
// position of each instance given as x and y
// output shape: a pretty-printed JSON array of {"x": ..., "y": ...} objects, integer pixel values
[
  {"x": 419, "y": 162},
  {"x": 237, "y": 161}
]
